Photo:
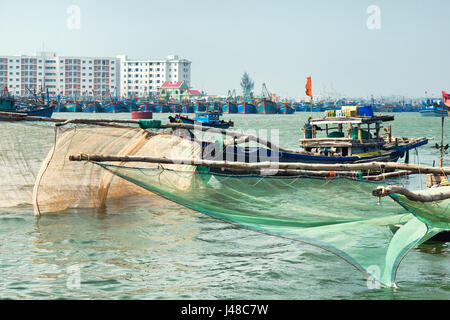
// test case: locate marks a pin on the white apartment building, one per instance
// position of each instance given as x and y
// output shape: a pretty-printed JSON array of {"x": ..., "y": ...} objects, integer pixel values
[
  {"x": 59, "y": 74},
  {"x": 90, "y": 76},
  {"x": 142, "y": 78}
]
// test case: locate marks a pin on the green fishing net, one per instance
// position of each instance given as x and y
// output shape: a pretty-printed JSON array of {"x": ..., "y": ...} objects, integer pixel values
[
  {"x": 337, "y": 215},
  {"x": 435, "y": 213}
]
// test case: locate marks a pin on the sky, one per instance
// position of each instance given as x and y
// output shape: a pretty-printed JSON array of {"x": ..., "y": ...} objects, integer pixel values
[{"x": 402, "y": 49}]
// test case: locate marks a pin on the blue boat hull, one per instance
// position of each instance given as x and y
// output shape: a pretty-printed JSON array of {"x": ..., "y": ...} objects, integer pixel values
[
  {"x": 188, "y": 109},
  {"x": 162, "y": 108},
  {"x": 247, "y": 108},
  {"x": 45, "y": 112},
  {"x": 230, "y": 108},
  {"x": 267, "y": 107},
  {"x": 286, "y": 110}
]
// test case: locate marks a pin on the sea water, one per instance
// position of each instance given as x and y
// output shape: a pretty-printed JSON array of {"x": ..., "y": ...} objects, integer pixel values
[{"x": 142, "y": 249}]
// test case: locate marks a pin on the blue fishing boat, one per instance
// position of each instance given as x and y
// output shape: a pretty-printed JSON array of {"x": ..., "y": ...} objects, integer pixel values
[
  {"x": 201, "y": 106},
  {"x": 209, "y": 119},
  {"x": 147, "y": 107},
  {"x": 115, "y": 107},
  {"x": 92, "y": 107},
  {"x": 285, "y": 108},
  {"x": 267, "y": 106},
  {"x": 71, "y": 107},
  {"x": 347, "y": 140},
  {"x": 230, "y": 107},
  {"x": 175, "y": 108},
  {"x": 187, "y": 108},
  {"x": 434, "y": 111},
  {"x": 36, "y": 110},
  {"x": 162, "y": 107},
  {"x": 246, "y": 107},
  {"x": 215, "y": 107}
]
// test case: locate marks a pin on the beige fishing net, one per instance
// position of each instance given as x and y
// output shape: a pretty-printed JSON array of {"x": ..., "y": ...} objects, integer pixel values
[
  {"x": 62, "y": 184},
  {"x": 23, "y": 146}
]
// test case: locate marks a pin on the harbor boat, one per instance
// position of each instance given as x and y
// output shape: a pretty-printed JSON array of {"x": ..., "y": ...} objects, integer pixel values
[
  {"x": 162, "y": 107},
  {"x": 209, "y": 119},
  {"x": 201, "y": 106},
  {"x": 246, "y": 107},
  {"x": 351, "y": 138},
  {"x": 229, "y": 107},
  {"x": 187, "y": 108},
  {"x": 285, "y": 108},
  {"x": 71, "y": 107},
  {"x": 92, "y": 107},
  {"x": 267, "y": 106},
  {"x": 175, "y": 108},
  {"x": 37, "y": 110},
  {"x": 434, "y": 111},
  {"x": 115, "y": 107},
  {"x": 215, "y": 107},
  {"x": 147, "y": 107}
]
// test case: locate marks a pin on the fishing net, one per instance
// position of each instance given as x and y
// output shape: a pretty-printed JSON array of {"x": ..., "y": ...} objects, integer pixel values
[
  {"x": 435, "y": 213},
  {"x": 22, "y": 148},
  {"x": 62, "y": 184},
  {"x": 338, "y": 215}
]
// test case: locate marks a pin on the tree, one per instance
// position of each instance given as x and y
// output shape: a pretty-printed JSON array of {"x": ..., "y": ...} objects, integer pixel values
[{"x": 246, "y": 84}]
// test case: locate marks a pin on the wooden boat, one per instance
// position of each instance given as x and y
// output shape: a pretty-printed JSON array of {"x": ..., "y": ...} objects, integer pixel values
[
  {"x": 434, "y": 111},
  {"x": 230, "y": 107},
  {"x": 187, "y": 108},
  {"x": 285, "y": 108},
  {"x": 209, "y": 119},
  {"x": 356, "y": 145},
  {"x": 246, "y": 107},
  {"x": 37, "y": 110},
  {"x": 175, "y": 108},
  {"x": 267, "y": 106}
]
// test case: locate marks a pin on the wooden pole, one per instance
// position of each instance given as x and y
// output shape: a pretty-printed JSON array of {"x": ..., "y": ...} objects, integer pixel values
[
  {"x": 257, "y": 166},
  {"x": 414, "y": 196}
]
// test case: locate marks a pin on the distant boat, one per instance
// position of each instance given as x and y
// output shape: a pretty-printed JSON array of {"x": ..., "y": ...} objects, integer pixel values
[
  {"x": 187, "y": 108},
  {"x": 201, "y": 106},
  {"x": 210, "y": 119},
  {"x": 215, "y": 107},
  {"x": 246, "y": 107},
  {"x": 115, "y": 107},
  {"x": 162, "y": 107},
  {"x": 267, "y": 106},
  {"x": 35, "y": 110},
  {"x": 230, "y": 107},
  {"x": 286, "y": 108},
  {"x": 175, "y": 108},
  {"x": 92, "y": 107},
  {"x": 71, "y": 107},
  {"x": 147, "y": 107},
  {"x": 434, "y": 111}
]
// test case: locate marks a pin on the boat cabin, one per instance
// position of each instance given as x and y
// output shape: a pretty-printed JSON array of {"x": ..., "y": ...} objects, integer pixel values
[
  {"x": 208, "y": 117},
  {"x": 345, "y": 136}
]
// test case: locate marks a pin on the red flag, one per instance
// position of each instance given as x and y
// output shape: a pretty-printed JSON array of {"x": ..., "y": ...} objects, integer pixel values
[
  {"x": 308, "y": 87},
  {"x": 446, "y": 97}
]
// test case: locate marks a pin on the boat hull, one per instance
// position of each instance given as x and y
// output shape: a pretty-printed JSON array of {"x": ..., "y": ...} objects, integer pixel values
[
  {"x": 230, "y": 107},
  {"x": 267, "y": 107},
  {"x": 247, "y": 108}
]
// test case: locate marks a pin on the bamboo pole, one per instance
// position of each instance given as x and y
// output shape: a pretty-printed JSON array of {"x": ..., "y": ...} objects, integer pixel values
[
  {"x": 257, "y": 166},
  {"x": 413, "y": 196},
  {"x": 164, "y": 126}
]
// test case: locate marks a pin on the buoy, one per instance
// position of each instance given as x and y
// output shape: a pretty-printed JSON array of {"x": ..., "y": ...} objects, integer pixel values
[{"x": 141, "y": 115}]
